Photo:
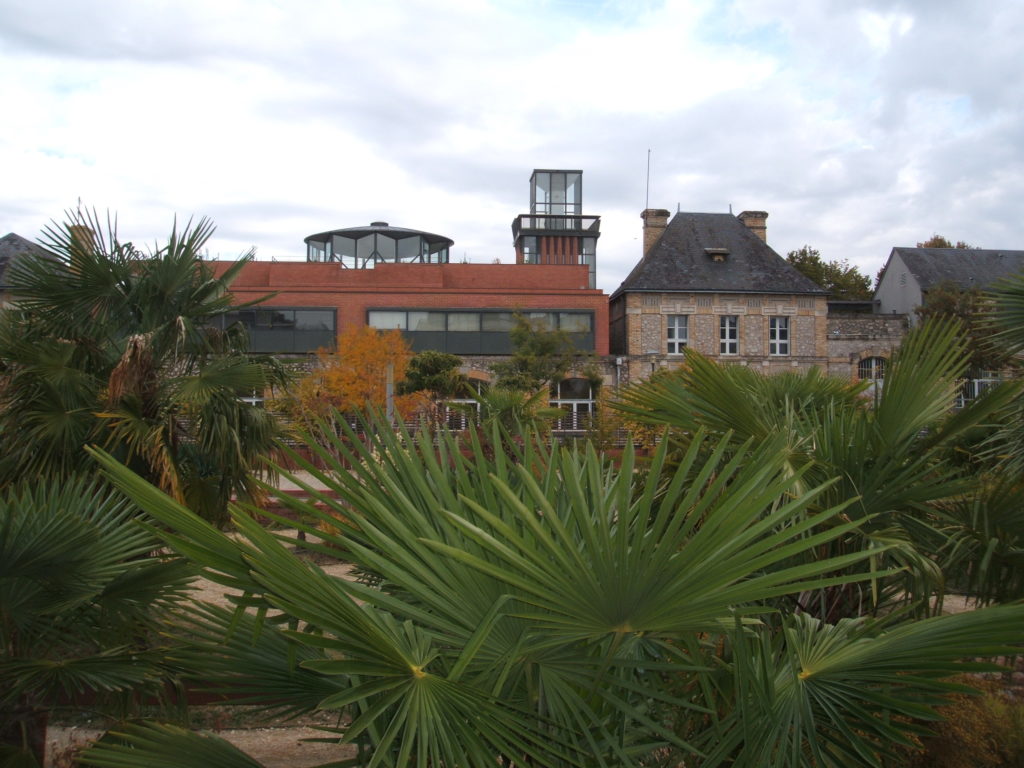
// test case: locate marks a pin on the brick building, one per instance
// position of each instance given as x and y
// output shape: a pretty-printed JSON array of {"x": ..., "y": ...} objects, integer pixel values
[
  {"x": 465, "y": 309},
  {"x": 390, "y": 277}
]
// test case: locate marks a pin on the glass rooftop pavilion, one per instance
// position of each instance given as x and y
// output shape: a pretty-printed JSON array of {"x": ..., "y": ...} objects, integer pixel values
[
  {"x": 555, "y": 231},
  {"x": 379, "y": 243}
]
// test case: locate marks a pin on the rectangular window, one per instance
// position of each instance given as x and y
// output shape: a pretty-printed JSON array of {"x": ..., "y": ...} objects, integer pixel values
[
  {"x": 314, "y": 319},
  {"x": 678, "y": 333},
  {"x": 729, "y": 335},
  {"x": 497, "y": 322},
  {"x": 778, "y": 336},
  {"x": 464, "y": 321},
  {"x": 387, "y": 320},
  {"x": 545, "y": 321},
  {"x": 530, "y": 253},
  {"x": 426, "y": 321},
  {"x": 574, "y": 322}
]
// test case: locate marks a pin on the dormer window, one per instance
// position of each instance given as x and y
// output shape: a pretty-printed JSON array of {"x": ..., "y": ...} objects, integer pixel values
[{"x": 717, "y": 254}]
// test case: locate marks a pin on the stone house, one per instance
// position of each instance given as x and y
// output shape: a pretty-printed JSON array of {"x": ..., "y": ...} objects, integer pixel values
[{"x": 710, "y": 281}]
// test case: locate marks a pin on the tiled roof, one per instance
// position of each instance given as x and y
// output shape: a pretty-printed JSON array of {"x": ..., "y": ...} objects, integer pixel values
[
  {"x": 966, "y": 267},
  {"x": 14, "y": 246},
  {"x": 704, "y": 252}
]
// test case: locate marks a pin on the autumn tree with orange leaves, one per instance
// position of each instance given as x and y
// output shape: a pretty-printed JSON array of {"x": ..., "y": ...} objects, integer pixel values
[{"x": 353, "y": 379}]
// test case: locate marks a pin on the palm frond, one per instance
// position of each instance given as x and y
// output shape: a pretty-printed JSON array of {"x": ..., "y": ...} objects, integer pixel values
[{"x": 164, "y": 746}]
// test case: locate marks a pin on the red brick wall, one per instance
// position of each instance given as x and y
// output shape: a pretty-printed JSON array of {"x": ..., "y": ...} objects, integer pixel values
[{"x": 452, "y": 286}]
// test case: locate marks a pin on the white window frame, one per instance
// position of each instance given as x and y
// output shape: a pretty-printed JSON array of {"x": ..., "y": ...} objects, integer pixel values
[
  {"x": 578, "y": 410},
  {"x": 677, "y": 333},
  {"x": 872, "y": 368},
  {"x": 778, "y": 335},
  {"x": 729, "y": 335}
]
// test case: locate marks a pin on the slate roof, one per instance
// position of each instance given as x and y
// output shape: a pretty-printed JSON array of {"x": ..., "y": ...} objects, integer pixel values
[
  {"x": 966, "y": 267},
  {"x": 679, "y": 261},
  {"x": 12, "y": 247}
]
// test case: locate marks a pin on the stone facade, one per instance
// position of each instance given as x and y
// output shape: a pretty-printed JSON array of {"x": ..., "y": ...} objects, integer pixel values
[
  {"x": 646, "y": 317},
  {"x": 856, "y": 337}
]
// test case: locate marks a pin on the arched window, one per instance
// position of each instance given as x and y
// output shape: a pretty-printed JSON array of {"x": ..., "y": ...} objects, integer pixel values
[
  {"x": 576, "y": 398},
  {"x": 871, "y": 368}
]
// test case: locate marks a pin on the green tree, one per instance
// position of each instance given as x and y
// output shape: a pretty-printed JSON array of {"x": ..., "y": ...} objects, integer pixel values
[
  {"x": 81, "y": 603},
  {"x": 940, "y": 241},
  {"x": 436, "y": 373},
  {"x": 552, "y": 609},
  {"x": 972, "y": 308},
  {"x": 107, "y": 345},
  {"x": 434, "y": 377},
  {"x": 839, "y": 278},
  {"x": 541, "y": 356}
]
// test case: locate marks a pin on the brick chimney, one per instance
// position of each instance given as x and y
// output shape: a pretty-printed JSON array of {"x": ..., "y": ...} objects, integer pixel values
[
  {"x": 655, "y": 221},
  {"x": 756, "y": 222}
]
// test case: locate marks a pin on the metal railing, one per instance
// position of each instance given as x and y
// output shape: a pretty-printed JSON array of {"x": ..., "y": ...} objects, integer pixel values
[
  {"x": 972, "y": 389},
  {"x": 559, "y": 222}
]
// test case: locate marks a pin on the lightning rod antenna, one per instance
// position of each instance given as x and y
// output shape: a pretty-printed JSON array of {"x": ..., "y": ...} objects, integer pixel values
[{"x": 647, "y": 194}]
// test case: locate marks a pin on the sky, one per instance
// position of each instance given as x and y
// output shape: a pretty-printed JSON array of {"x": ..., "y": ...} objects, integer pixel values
[{"x": 858, "y": 125}]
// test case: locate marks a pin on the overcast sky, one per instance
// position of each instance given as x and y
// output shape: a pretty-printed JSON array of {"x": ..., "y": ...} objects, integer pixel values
[{"x": 858, "y": 125}]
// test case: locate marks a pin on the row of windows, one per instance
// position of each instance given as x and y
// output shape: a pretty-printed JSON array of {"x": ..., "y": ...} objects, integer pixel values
[
  {"x": 586, "y": 256},
  {"x": 677, "y": 334},
  {"x": 476, "y": 322},
  {"x": 292, "y": 319},
  {"x": 284, "y": 330},
  {"x": 484, "y": 332}
]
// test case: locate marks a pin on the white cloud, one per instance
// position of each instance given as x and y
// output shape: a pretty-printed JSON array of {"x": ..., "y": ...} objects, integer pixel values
[
  {"x": 857, "y": 125},
  {"x": 880, "y": 29}
]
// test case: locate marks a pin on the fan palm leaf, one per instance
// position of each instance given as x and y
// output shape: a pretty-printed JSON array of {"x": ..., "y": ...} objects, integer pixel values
[{"x": 80, "y": 598}]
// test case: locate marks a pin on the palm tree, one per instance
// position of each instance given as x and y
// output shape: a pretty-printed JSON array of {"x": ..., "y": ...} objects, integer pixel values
[
  {"x": 889, "y": 458},
  {"x": 81, "y": 600},
  {"x": 110, "y": 346},
  {"x": 540, "y": 606}
]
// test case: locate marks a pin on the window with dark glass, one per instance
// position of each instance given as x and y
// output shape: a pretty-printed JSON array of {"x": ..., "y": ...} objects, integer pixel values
[
  {"x": 314, "y": 319},
  {"x": 530, "y": 254}
]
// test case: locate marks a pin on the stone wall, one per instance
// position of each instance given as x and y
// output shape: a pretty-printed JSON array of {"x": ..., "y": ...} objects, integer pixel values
[
  {"x": 854, "y": 337},
  {"x": 646, "y": 329}
]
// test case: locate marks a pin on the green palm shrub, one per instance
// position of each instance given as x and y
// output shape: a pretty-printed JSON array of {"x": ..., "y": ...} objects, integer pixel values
[
  {"x": 81, "y": 602},
  {"x": 540, "y": 606},
  {"x": 890, "y": 458}
]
